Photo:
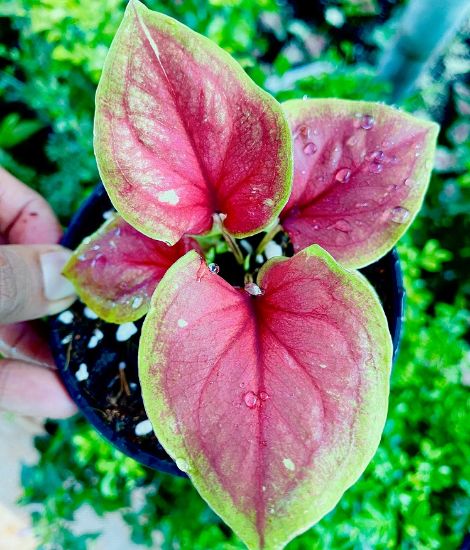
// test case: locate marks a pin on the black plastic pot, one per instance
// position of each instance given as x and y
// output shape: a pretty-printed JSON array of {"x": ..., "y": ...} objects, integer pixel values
[{"x": 111, "y": 366}]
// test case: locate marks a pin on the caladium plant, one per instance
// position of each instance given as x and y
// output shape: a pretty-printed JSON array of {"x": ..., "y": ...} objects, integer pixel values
[{"x": 271, "y": 395}]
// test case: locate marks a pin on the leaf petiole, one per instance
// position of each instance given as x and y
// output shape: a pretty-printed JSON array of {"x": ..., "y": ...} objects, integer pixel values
[
  {"x": 268, "y": 237},
  {"x": 231, "y": 242}
]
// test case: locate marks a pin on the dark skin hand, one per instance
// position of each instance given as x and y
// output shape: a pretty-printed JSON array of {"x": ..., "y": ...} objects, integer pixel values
[{"x": 31, "y": 286}]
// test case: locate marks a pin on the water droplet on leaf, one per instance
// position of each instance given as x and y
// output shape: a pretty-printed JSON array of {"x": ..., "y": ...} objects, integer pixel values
[
  {"x": 263, "y": 395},
  {"x": 310, "y": 148},
  {"x": 399, "y": 214},
  {"x": 137, "y": 302},
  {"x": 250, "y": 399},
  {"x": 376, "y": 156},
  {"x": 367, "y": 122},
  {"x": 214, "y": 268},
  {"x": 375, "y": 168},
  {"x": 343, "y": 175},
  {"x": 253, "y": 289}
]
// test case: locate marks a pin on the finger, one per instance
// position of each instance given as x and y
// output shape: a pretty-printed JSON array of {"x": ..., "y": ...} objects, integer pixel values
[
  {"x": 27, "y": 342},
  {"x": 31, "y": 283},
  {"x": 25, "y": 217},
  {"x": 33, "y": 391}
]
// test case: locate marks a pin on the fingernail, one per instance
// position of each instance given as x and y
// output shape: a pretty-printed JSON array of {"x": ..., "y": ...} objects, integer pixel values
[{"x": 56, "y": 286}]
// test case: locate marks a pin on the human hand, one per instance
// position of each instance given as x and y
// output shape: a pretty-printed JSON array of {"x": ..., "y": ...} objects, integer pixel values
[{"x": 31, "y": 286}]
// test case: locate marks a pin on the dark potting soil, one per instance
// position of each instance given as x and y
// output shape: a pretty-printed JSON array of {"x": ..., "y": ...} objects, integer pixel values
[{"x": 98, "y": 360}]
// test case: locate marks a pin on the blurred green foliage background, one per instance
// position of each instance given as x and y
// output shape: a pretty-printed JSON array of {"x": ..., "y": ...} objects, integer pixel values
[{"x": 416, "y": 492}]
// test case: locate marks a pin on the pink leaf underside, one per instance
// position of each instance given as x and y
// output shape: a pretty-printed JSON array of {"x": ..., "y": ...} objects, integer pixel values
[
  {"x": 181, "y": 133},
  {"x": 115, "y": 270},
  {"x": 273, "y": 404},
  {"x": 360, "y": 174}
]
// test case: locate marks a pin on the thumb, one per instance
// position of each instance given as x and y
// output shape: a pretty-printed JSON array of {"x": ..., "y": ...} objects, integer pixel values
[{"x": 31, "y": 283}]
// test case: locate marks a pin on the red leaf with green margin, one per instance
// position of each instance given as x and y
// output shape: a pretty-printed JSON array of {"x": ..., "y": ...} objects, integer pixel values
[
  {"x": 116, "y": 270},
  {"x": 361, "y": 171},
  {"x": 181, "y": 133},
  {"x": 280, "y": 413}
]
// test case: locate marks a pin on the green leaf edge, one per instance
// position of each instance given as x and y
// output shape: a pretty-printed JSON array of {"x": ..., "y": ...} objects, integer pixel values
[
  {"x": 166, "y": 23},
  {"x": 207, "y": 484},
  {"x": 107, "y": 310},
  {"x": 294, "y": 107}
]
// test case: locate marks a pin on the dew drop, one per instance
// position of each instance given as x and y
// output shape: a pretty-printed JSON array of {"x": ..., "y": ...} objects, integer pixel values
[
  {"x": 214, "y": 268},
  {"x": 310, "y": 148},
  {"x": 367, "y": 122},
  {"x": 137, "y": 302},
  {"x": 253, "y": 289},
  {"x": 263, "y": 395},
  {"x": 375, "y": 168},
  {"x": 343, "y": 175},
  {"x": 182, "y": 464},
  {"x": 343, "y": 226},
  {"x": 399, "y": 214},
  {"x": 408, "y": 182},
  {"x": 376, "y": 156},
  {"x": 250, "y": 399}
]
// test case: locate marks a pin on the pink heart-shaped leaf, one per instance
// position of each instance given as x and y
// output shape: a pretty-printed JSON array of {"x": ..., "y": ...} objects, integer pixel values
[
  {"x": 272, "y": 401},
  {"x": 116, "y": 270},
  {"x": 360, "y": 174},
  {"x": 181, "y": 133}
]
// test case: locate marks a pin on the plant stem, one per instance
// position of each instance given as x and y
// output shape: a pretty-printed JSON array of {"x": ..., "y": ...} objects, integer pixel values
[
  {"x": 231, "y": 242},
  {"x": 267, "y": 238}
]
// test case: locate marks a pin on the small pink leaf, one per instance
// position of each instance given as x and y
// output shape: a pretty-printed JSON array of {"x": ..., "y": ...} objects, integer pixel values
[
  {"x": 116, "y": 270},
  {"x": 273, "y": 403},
  {"x": 181, "y": 133},
  {"x": 360, "y": 174}
]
